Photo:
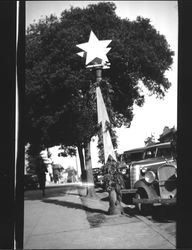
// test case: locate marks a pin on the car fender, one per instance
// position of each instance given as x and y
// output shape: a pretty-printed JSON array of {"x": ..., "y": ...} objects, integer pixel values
[{"x": 141, "y": 184}]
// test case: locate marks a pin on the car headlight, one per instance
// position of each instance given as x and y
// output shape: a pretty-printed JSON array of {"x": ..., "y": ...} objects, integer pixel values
[
  {"x": 143, "y": 170},
  {"x": 124, "y": 171},
  {"x": 150, "y": 177}
]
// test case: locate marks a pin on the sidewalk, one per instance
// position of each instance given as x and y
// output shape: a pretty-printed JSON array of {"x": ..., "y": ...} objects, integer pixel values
[{"x": 64, "y": 220}]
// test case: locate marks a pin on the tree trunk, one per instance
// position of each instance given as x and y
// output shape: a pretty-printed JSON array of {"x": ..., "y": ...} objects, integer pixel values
[
  {"x": 81, "y": 158},
  {"x": 90, "y": 187},
  {"x": 114, "y": 203}
]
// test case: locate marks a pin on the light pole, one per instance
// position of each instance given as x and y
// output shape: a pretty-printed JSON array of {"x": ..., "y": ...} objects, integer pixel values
[{"x": 96, "y": 59}]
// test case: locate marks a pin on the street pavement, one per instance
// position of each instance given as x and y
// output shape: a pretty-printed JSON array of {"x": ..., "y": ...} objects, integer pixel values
[{"x": 66, "y": 219}]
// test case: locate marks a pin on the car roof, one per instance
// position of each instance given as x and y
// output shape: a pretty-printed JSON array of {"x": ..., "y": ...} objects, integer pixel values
[
  {"x": 135, "y": 150},
  {"x": 164, "y": 144}
]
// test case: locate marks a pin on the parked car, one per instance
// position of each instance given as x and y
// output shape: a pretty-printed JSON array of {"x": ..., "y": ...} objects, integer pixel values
[
  {"x": 127, "y": 158},
  {"x": 98, "y": 176},
  {"x": 153, "y": 179},
  {"x": 30, "y": 182}
]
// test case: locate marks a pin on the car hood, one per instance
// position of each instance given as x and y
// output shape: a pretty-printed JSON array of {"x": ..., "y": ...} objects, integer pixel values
[{"x": 152, "y": 163}]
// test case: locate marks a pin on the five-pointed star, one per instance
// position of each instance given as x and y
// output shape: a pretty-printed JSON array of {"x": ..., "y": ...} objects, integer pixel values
[{"x": 95, "y": 48}]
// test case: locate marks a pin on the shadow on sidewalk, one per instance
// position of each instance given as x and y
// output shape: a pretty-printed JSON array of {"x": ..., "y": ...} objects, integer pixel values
[
  {"x": 105, "y": 198},
  {"x": 74, "y": 205},
  {"x": 49, "y": 192}
]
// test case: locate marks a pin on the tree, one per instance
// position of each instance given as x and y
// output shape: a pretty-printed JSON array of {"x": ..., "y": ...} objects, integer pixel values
[
  {"x": 60, "y": 91},
  {"x": 34, "y": 160},
  {"x": 150, "y": 140}
]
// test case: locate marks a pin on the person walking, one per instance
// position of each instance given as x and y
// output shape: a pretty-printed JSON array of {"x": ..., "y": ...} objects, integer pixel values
[{"x": 41, "y": 174}]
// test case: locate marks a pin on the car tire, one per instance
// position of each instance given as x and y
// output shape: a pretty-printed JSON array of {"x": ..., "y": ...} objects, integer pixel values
[{"x": 143, "y": 209}]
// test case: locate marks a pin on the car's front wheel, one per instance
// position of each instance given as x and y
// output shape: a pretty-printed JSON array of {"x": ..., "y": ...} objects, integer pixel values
[{"x": 142, "y": 208}]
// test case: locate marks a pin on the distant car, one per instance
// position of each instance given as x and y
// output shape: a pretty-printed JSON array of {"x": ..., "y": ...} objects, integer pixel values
[
  {"x": 30, "y": 182},
  {"x": 98, "y": 176}
]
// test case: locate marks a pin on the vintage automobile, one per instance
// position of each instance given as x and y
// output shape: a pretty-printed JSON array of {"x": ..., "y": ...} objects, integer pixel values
[
  {"x": 153, "y": 179},
  {"x": 98, "y": 176}
]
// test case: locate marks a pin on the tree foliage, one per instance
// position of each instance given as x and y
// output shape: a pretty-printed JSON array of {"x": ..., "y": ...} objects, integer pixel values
[
  {"x": 60, "y": 91},
  {"x": 150, "y": 140},
  {"x": 113, "y": 183}
]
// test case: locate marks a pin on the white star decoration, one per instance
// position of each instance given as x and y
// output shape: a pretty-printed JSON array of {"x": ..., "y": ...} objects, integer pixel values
[{"x": 95, "y": 49}]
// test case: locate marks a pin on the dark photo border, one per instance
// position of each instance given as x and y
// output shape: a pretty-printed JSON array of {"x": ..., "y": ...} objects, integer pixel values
[
  {"x": 7, "y": 106},
  {"x": 184, "y": 214},
  {"x": 12, "y": 196}
]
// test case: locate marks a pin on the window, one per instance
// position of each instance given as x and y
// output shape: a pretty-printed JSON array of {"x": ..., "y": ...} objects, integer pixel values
[
  {"x": 164, "y": 152},
  {"x": 135, "y": 156}
]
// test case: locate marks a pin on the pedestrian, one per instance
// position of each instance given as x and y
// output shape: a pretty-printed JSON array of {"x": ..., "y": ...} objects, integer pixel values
[{"x": 41, "y": 174}]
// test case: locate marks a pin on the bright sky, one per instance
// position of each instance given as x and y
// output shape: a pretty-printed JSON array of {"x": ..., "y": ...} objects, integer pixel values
[{"x": 156, "y": 113}]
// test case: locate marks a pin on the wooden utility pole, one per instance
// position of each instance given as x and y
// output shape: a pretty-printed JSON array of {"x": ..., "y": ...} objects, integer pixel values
[{"x": 90, "y": 187}]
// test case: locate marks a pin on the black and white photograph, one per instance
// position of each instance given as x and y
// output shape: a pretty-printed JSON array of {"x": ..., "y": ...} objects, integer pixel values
[{"x": 100, "y": 117}]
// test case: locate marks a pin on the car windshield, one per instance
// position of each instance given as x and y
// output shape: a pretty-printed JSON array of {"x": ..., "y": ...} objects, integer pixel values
[
  {"x": 164, "y": 152},
  {"x": 136, "y": 156},
  {"x": 153, "y": 152}
]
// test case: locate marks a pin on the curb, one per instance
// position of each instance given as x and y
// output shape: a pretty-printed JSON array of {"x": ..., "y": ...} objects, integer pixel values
[{"x": 170, "y": 239}]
